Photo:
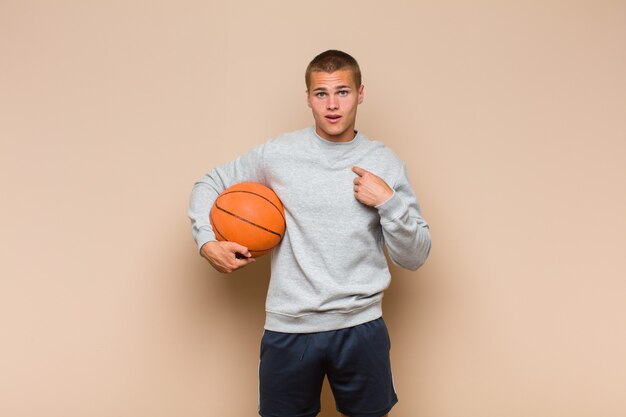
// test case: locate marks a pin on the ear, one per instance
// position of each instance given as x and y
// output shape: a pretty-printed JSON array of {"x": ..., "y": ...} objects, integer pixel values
[
  {"x": 361, "y": 95},
  {"x": 308, "y": 100}
]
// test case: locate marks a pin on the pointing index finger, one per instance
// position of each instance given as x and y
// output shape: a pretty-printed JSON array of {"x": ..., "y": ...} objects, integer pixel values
[{"x": 358, "y": 171}]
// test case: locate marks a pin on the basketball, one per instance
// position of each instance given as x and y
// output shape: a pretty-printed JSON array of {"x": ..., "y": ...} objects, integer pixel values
[{"x": 250, "y": 214}]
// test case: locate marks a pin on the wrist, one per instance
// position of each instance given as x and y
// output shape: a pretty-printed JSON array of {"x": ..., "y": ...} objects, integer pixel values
[
  {"x": 207, "y": 246},
  {"x": 386, "y": 199}
]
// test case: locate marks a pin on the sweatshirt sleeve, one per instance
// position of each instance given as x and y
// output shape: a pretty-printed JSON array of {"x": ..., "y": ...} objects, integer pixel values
[
  {"x": 406, "y": 233},
  {"x": 248, "y": 167}
]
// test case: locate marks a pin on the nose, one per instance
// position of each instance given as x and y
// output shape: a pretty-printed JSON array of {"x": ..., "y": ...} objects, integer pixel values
[{"x": 332, "y": 103}]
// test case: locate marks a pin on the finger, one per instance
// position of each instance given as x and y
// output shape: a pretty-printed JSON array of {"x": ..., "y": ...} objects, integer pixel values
[
  {"x": 240, "y": 263},
  {"x": 358, "y": 171},
  {"x": 356, "y": 180},
  {"x": 247, "y": 261}
]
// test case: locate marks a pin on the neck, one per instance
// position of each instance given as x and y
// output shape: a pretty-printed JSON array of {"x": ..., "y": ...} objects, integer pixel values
[{"x": 344, "y": 137}]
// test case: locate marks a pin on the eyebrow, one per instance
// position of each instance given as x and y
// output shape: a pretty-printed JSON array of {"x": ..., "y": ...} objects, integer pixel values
[{"x": 339, "y": 87}]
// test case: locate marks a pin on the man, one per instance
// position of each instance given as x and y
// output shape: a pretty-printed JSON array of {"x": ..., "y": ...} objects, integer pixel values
[{"x": 346, "y": 198}]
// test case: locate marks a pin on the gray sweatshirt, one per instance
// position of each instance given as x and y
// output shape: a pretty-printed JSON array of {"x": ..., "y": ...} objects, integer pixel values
[{"x": 330, "y": 271}]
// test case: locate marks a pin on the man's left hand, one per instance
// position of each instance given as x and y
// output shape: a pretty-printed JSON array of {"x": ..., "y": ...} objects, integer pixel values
[{"x": 370, "y": 189}]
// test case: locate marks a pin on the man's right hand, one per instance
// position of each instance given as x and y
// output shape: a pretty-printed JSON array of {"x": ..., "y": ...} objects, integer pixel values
[{"x": 226, "y": 257}]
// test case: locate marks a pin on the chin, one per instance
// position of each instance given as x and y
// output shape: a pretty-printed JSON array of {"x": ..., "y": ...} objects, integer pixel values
[
  {"x": 333, "y": 134},
  {"x": 335, "y": 131}
]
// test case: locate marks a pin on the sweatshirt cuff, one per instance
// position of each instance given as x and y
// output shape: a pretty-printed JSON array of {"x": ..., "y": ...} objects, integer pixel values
[
  {"x": 203, "y": 237},
  {"x": 392, "y": 208}
]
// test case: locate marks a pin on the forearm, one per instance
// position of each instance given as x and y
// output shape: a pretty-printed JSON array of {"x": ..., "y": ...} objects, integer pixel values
[
  {"x": 406, "y": 233},
  {"x": 203, "y": 195}
]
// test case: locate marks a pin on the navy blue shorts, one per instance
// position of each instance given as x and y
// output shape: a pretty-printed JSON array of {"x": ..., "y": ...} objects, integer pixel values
[{"x": 355, "y": 360}]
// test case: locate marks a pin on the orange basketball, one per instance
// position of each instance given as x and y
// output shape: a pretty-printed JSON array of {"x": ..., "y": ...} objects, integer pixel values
[{"x": 250, "y": 214}]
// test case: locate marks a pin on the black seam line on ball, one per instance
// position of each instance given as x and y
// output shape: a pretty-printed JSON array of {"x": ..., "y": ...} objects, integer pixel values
[
  {"x": 258, "y": 195},
  {"x": 248, "y": 221}
]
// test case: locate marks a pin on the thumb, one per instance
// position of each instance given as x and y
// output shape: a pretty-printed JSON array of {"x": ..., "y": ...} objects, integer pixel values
[{"x": 237, "y": 248}]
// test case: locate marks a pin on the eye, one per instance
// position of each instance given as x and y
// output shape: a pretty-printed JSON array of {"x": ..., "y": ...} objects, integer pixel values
[
  {"x": 343, "y": 93},
  {"x": 320, "y": 94}
]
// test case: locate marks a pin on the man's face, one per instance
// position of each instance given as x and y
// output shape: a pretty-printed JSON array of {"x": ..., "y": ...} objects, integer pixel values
[{"x": 334, "y": 98}]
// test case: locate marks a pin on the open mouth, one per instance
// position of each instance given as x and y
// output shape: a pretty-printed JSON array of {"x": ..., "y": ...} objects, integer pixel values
[{"x": 333, "y": 117}]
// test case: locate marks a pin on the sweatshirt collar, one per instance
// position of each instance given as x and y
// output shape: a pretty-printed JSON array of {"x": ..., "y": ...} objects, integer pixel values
[{"x": 358, "y": 137}]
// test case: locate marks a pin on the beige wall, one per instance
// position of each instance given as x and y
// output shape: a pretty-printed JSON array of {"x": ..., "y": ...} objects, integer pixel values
[{"x": 510, "y": 116}]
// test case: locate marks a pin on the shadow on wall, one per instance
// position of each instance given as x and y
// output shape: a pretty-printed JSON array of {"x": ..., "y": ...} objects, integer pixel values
[{"x": 241, "y": 294}]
